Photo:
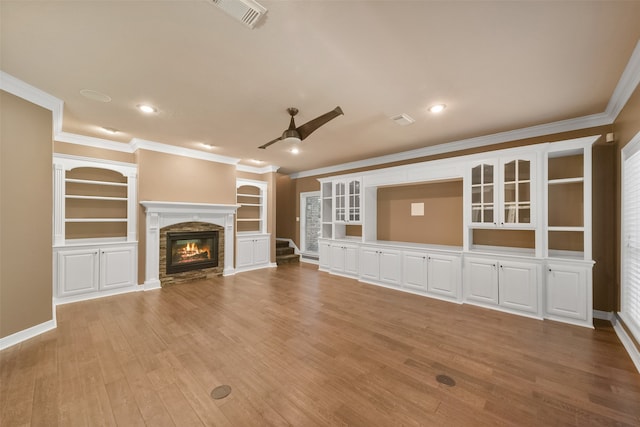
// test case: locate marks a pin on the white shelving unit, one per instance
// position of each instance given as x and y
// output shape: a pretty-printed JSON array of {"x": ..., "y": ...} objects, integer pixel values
[
  {"x": 253, "y": 242},
  {"x": 100, "y": 257}
]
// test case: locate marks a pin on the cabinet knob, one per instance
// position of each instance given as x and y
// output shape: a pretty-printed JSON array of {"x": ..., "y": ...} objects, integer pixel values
[{"x": 549, "y": 270}]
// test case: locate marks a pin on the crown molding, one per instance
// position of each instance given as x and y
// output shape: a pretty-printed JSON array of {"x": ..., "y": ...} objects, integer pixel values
[
  {"x": 90, "y": 141},
  {"x": 24, "y": 90},
  {"x": 626, "y": 85},
  {"x": 262, "y": 170},
  {"x": 138, "y": 144},
  {"x": 593, "y": 120}
]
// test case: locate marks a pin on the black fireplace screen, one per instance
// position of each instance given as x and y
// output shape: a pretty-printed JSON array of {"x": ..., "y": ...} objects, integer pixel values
[{"x": 193, "y": 250}]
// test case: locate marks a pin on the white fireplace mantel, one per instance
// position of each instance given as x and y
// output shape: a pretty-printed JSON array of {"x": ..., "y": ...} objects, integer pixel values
[{"x": 162, "y": 214}]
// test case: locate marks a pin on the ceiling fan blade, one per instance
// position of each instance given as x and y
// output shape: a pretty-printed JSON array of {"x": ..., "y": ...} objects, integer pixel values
[
  {"x": 270, "y": 142},
  {"x": 306, "y": 129}
]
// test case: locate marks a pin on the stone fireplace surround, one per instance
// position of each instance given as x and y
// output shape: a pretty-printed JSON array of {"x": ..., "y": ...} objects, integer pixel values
[{"x": 163, "y": 214}]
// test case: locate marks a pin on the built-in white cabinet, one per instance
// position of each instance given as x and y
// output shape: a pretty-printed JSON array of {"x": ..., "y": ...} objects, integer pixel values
[
  {"x": 509, "y": 284},
  {"x": 503, "y": 191},
  {"x": 526, "y": 246},
  {"x": 433, "y": 273},
  {"x": 380, "y": 265},
  {"x": 347, "y": 201},
  {"x": 94, "y": 269},
  {"x": 94, "y": 233},
  {"x": 568, "y": 292},
  {"x": 253, "y": 251},
  {"x": 343, "y": 258}
]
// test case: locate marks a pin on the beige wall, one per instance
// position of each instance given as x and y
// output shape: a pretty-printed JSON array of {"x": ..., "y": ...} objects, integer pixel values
[
  {"x": 441, "y": 223},
  {"x": 26, "y": 199}
]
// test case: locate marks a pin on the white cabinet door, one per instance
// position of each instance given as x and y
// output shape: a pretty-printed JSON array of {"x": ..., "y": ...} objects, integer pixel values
[
  {"x": 369, "y": 269},
  {"x": 517, "y": 183},
  {"x": 245, "y": 253},
  {"x": 414, "y": 271},
  {"x": 261, "y": 250},
  {"x": 325, "y": 255},
  {"x": 351, "y": 260},
  {"x": 78, "y": 271},
  {"x": 390, "y": 265},
  {"x": 117, "y": 267},
  {"x": 518, "y": 286},
  {"x": 347, "y": 201},
  {"x": 567, "y": 291},
  {"x": 337, "y": 258},
  {"x": 481, "y": 280},
  {"x": 443, "y": 275}
]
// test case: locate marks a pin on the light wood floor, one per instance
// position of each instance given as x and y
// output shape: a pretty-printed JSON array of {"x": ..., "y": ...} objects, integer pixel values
[{"x": 304, "y": 348}]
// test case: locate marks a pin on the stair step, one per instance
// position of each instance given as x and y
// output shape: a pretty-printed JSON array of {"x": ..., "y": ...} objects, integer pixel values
[
  {"x": 282, "y": 243},
  {"x": 285, "y": 251},
  {"x": 287, "y": 259}
]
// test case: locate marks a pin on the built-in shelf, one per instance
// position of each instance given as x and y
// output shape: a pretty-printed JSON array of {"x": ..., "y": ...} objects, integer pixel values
[
  {"x": 555, "y": 228},
  {"x": 565, "y": 180},
  {"x": 94, "y": 182},
  {"x": 73, "y": 196}
]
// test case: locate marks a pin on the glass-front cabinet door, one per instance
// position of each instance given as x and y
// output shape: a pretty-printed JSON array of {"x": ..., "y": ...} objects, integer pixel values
[
  {"x": 340, "y": 202},
  {"x": 516, "y": 191},
  {"x": 348, "y": 201},
  {"x": 354, "y": 200},
  {"x": 483, "y": 195}
]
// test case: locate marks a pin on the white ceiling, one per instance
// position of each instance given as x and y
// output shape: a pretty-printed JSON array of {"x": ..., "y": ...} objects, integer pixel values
[{"x": 498, "y": 66}]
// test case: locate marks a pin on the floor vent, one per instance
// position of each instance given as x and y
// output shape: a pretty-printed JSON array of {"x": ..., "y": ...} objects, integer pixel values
[
  {"x": 446, "y": 380},
  {"x": 221, "y": 392},
  {"x": 248, "y": 12}
]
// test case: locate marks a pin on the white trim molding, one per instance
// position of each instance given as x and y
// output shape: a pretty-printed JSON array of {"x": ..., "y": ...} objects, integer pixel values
[
  {"x": 34, "y": 95},
  {"x": 28, "y": 333},
  {"x": 626, "y": 341}
]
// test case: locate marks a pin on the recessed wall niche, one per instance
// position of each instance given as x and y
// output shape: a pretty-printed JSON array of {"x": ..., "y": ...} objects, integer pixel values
[{"x": 441, "y": 224}]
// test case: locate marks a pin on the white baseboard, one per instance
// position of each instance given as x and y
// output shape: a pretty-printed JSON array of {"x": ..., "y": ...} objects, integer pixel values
[
  {"x": 604, "y": 315},
  {"x": 627, "y": 342},
  {"x": 26, "y": 334},
  {"x": 151, "y": 284},
  {"x": 94, "y": 295}
]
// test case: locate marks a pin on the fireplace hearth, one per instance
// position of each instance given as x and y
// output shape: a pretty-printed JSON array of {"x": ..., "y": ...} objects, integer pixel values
[{"x": 192, "y": 250}]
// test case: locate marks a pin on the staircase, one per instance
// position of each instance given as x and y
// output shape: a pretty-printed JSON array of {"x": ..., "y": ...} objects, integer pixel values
[{"x": 285, "y": 254}]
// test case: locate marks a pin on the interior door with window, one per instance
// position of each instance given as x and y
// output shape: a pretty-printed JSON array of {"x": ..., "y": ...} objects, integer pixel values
[{"x": 310, "y": 223}]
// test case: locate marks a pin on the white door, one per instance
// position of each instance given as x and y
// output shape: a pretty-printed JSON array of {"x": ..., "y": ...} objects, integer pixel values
[
  {"x": 390, "y": 267},
  {"x": 369, "y": 268},
  {"x": 443, "y": 274},
  {"x": 78, "y": 271},
  {"x": 481, "y": 280},
  {"x": 518, "y": 286},
  {"x": 117, "y": 267},
  {"x": 261, "y": 251},
  {"x": 567, "y": 291},
  {"x": 415, "y": 271},
  {"x": 310, "y": 223}
]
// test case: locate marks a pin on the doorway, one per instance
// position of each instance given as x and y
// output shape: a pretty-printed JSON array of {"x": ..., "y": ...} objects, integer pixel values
[{"x": 309, "y": 224}]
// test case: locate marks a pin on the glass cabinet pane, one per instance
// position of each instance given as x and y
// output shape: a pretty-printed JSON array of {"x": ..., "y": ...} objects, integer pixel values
[
  {"x": 524, "y": 173},
  {"x": 487, "y": 215},
  {"x": 476, "y": 194},
  {"x": 509, "y": 193},
  {"x": 488, "y": 174},
  {"x": 476, "y": 175},
  {"x": 524, "y": 195},
  {"x": 510, "y": 171}
]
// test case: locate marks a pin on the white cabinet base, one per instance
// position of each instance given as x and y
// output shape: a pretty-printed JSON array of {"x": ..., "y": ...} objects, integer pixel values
[
  {"x": 253, "y": 252},
  {"x": 93, "y": 271}
]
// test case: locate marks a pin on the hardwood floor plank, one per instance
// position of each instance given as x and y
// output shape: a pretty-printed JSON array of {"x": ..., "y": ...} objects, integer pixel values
[{"x": 300, "y": 347}]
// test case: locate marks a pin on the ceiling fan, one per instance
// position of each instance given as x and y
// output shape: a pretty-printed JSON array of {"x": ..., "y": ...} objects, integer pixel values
[{"x": 297, "y": 134}]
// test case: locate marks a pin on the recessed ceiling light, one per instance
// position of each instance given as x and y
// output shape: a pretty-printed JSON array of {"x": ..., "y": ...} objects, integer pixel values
[
  {"x": 207, "y": 146},
  {"x": 257, "y": 162},
  {"x": 295, "y": 150},
  {"x": 438, "y": 108},
  {"x": 145, "y": 108},
  {"x": 109, "y": 130},
  {"x": 95, "y": 95}
]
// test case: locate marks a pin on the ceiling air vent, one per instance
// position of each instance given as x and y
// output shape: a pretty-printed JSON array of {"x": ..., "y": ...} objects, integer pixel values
[
  {"x": 403, "y": 119},
  {"x": 248, "y": 12}
]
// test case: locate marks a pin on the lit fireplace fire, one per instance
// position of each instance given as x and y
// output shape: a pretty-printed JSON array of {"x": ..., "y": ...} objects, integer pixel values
[{"x": 190, "y": 252}]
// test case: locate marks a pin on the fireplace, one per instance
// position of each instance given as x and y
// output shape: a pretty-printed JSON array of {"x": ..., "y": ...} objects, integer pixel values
[{"x": 191, "y": 250}]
